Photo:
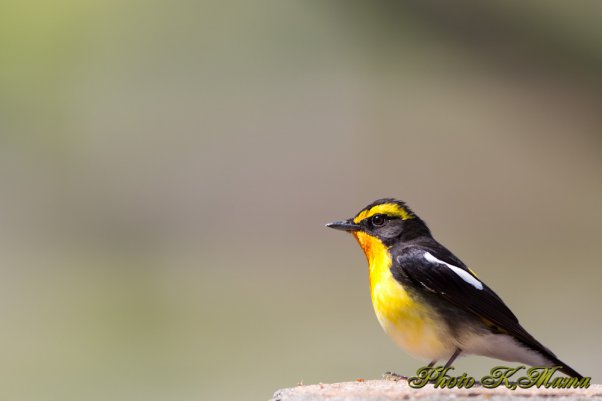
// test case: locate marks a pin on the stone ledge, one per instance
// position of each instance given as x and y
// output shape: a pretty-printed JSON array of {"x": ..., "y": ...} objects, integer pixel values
[{"x": 383, "y": 390}]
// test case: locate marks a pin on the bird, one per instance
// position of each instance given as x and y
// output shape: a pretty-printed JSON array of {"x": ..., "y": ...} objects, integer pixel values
[{"x": 428, "y": 301}]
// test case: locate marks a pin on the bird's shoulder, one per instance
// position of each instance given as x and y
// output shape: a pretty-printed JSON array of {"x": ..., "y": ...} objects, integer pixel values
[
  {"x": 417, "y": 251},
  {"x": 429, "y": 266}
]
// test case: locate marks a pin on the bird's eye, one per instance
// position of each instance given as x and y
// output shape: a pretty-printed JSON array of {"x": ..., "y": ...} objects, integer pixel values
[{"x": 378, "y": 220}]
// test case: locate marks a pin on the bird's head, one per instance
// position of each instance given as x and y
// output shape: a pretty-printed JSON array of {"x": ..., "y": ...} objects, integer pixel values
[{"x": 384, "y": 222}]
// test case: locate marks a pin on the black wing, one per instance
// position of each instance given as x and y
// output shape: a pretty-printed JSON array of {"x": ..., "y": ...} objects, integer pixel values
[{"x": 431, "y": 270}]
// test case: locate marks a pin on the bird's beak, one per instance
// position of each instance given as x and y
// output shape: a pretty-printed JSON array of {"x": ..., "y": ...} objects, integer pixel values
[{"x": 344, "y": 225}]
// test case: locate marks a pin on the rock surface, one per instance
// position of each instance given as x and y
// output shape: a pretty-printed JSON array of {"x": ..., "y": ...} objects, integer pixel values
[{"x": 383, "y": 390}]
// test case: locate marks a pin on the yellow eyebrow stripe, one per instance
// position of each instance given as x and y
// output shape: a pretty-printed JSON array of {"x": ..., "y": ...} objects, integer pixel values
[{"x": 390, "y": 209}]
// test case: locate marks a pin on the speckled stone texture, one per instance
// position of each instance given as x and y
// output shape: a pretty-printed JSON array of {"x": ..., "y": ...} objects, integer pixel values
[{"x": 382, "y": 390}]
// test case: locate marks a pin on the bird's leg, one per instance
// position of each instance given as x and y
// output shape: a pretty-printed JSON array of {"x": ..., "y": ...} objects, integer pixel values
[
  {"x": 457, "y": 352},
  {"x": 431, "y": 364},
  {"x": 453, "y": 358}
]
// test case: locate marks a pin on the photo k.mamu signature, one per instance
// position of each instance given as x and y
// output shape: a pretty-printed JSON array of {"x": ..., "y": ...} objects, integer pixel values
[{"x": 512, "y": 378}]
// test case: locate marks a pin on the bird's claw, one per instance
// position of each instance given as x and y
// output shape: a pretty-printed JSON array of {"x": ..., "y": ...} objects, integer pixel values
[{"x": 392, "y": 376}]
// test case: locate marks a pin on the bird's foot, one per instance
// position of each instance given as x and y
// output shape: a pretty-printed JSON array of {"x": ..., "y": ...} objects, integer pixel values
[{"x": 394, "y": 377}]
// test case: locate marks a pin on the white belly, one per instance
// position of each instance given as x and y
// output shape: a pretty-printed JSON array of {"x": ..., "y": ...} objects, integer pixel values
[{"x": 504, "y": 347}]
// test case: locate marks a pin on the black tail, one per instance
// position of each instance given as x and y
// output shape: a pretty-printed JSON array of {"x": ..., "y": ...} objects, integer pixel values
[
  {"x": 528, "y": 340},
  {"x": 554, "y": 361},
  {"x": 566, "y": 369}
]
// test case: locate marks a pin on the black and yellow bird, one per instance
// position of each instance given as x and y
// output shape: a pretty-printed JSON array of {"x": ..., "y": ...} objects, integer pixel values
[{"x": 428, "y": 301}]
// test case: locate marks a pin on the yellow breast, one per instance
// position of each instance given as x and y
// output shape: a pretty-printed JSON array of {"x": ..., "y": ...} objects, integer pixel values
[{"x": 411, "y": 325}]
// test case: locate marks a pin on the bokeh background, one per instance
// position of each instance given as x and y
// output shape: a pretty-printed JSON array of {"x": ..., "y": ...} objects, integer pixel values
[{"x": 167, "y": 169}]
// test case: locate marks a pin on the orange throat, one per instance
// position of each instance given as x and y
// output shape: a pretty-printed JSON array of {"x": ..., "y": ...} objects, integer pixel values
[
  {"x": 369, "y": 245},
  {"x": 377, "y": 255}
]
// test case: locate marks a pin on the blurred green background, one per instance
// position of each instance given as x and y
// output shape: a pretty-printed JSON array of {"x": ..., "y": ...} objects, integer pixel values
[{"x": 167, "y": 169}]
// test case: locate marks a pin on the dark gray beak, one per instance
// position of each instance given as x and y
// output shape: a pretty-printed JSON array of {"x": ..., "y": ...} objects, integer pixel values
[{"x": 344, "y": 225}]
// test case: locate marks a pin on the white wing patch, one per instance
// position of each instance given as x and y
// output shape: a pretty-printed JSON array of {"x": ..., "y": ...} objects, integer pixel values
[{"x": 463, "y": 274}]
